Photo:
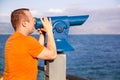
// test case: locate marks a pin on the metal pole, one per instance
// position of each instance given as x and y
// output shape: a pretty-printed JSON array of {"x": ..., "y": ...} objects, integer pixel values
[{"x": 56, "y": 69}]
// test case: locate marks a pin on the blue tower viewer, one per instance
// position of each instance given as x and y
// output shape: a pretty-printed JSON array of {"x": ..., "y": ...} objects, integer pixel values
[{"x": 61, "y": 25}]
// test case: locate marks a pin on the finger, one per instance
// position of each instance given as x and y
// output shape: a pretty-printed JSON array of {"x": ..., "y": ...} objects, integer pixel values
[
  {"x": 42, "y": 29},
  {"x": 41, "y": 19},
  {"x": 38, "y": 29},
  {"x": 50, "y": 20},
  {"x": 45, "y": 18}
]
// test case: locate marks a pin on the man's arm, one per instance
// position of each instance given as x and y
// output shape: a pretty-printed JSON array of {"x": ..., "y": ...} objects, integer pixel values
[
  {"x": 41, "y": 37},
  {"x": 49, "y": 52}
]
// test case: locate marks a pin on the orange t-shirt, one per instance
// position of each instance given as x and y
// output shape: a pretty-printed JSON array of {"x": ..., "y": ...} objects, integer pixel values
[{"x": 21, "y": 61}]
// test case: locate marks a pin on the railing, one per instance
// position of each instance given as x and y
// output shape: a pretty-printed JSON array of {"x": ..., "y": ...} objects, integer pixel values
[
  {"x": 1, "y": 75},
  {"x": 68, "y": 76},
  {"x": 1, "y": 57}
]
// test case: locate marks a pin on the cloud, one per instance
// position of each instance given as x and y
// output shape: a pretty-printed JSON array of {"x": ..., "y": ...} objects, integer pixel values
[
  {"x": 100, "y": 21},
  {"x": 34, "y": 12},
  {"x": 118, "y": 6},
  {"x": 52, "y": 10},
  {"x": 4, "y": 18}
]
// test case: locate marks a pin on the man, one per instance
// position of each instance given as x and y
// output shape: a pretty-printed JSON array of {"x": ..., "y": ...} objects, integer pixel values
[{"x": 22, "y": 51}]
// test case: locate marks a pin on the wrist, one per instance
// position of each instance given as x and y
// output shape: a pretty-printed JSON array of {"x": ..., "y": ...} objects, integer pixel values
[
  {"x": 42, "y": 33},
  {"x": 49, "y": 32}
]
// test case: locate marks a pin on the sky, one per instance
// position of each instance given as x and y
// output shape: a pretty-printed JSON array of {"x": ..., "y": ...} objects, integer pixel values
[{"x": 104, "y": 15}]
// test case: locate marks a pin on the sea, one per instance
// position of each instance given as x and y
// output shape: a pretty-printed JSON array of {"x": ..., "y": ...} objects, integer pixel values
[{"x": 96, "y": 57}]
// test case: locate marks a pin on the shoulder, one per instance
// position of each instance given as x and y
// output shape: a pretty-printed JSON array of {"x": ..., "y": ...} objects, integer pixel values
[{"x": 31, "y": 38}]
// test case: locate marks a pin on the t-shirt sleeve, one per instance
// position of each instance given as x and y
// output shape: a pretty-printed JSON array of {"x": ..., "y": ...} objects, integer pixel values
[{"x": 35, "y": 48}]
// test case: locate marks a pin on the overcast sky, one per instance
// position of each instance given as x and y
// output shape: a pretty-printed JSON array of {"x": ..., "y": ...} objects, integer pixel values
[{"x": 104, "y": 15}]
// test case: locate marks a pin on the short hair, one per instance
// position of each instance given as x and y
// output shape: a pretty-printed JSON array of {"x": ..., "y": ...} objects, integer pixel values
[{"x": 17, "y": 15}]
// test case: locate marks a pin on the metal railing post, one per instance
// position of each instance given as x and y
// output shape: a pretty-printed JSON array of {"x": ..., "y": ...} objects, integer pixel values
[{"x": 56, "y": 69}]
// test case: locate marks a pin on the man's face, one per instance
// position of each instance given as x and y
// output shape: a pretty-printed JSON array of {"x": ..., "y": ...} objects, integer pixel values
[{"x": 31, "y": 24}]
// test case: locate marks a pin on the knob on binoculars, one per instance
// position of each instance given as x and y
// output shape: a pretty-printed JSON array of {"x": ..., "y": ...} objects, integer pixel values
[{"x": 61, "y": 26}]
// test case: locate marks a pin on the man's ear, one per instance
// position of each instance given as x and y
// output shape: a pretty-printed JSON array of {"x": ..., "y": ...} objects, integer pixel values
[{"x": 24, "y": 23}]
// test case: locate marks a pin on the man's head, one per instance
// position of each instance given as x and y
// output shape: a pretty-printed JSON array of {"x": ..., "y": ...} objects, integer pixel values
[{"x": 22, "y": 18}]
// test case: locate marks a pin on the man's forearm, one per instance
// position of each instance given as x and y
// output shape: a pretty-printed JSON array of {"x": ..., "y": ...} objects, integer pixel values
[
  {"x": 51, "y": 42},
  {"x": 41, "y": 39}
]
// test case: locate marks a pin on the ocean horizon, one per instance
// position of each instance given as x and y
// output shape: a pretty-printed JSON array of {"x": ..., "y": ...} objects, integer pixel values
[{"x": 96, "y": 57}]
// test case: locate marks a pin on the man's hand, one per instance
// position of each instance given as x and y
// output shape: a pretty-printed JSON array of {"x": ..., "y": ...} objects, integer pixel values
[
  {"x": 49, "y": 52},
  {"x": 40, "y": 31},
  {"x": 47, "y": 24}
]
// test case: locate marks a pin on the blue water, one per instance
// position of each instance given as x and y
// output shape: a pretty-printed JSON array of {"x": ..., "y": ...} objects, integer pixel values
[{"x": 96, "y": 57}]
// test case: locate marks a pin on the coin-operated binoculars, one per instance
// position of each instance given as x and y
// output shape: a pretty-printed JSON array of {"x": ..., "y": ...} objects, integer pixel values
[{"x": 61, "y": 25}]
